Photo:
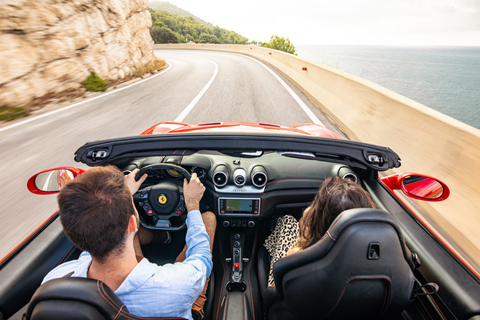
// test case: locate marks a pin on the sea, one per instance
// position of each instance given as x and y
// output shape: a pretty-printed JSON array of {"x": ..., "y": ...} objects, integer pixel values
[{"x": 446, "y": 79}]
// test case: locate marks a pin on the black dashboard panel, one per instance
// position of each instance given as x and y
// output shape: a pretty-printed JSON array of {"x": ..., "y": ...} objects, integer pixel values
[{"x": 249, "y": 184}]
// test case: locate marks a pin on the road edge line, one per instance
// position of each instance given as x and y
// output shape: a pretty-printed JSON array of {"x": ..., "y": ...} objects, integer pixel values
[
  {"x": 82, "y": 102},
  {"x": 300, "y": 102}
]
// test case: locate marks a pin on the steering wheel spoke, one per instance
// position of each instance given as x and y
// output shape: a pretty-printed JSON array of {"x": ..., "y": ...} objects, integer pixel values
[{"x": 162, "y": 206}]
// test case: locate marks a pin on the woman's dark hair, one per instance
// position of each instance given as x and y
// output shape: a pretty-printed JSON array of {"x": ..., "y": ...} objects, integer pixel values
[
  {"x": 334, "y": 196},
  {"x": 95, "y": 209}
]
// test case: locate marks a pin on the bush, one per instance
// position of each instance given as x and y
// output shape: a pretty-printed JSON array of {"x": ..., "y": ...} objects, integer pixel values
[
  {"x": 11, "y": 113},
  {"x": 141, "y": 70},
  {"x": 280, "y": 43},
  {"x": 95, "y": 83},
  {"x": 208, "y": 38}
]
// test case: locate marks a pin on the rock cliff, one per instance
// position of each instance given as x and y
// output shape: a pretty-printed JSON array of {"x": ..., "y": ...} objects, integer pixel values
[{"x": 50, "y": 46}]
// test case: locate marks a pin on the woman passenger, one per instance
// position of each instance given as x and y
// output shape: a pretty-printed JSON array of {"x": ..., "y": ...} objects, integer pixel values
[{"x": 334, "y": 196}]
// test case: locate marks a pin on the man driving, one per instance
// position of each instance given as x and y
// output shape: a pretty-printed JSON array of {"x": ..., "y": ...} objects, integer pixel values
[{"x": 99, "y": 217}]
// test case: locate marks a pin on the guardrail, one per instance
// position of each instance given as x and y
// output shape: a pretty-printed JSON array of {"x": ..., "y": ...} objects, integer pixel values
[{"x": 428, "y": 141}]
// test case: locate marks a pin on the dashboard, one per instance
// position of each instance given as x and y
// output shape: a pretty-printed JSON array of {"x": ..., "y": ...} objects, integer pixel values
[{"x": 245, "y": 184}]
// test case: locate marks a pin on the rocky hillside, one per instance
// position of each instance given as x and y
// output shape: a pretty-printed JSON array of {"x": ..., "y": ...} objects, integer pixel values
[{"x": 50, "y": 46}]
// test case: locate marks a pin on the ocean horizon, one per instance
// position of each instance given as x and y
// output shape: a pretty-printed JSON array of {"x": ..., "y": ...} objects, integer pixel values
[{"x": 444, "y": 78}]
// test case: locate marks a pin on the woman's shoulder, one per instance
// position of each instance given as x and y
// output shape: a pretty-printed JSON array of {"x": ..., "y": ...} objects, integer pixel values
[{"x": 294, "y": 250}]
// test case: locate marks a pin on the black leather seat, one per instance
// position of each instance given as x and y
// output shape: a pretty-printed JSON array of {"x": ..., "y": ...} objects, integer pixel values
[
  {"x": 360, "y": 269},
  {"x": 77, "y": 299}
]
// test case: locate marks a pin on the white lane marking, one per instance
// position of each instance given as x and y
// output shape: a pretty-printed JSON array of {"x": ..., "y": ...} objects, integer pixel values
[
  {"x": 47, "y": 181},
  {"x": 82, "y": 102},
  {"x": 192, "y": 104},
  {"x": 293, "y": 94}
]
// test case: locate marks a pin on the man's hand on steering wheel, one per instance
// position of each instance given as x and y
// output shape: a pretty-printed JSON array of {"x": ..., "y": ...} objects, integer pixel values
[
  {"x": 193, "y": 192},
  {"x": 130, "y": 182}
]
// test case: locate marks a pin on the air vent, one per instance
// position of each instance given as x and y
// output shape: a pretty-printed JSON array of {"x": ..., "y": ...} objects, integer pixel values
[
  {"x": 351, "y": 176},
  {"x": 220, "y": 176},
  {"x": 239, "y": 177},
  {"x": 259, "y": 176}
]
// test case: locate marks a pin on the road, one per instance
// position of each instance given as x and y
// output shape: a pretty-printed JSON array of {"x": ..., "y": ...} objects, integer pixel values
[{"x": 198, "y": 87}]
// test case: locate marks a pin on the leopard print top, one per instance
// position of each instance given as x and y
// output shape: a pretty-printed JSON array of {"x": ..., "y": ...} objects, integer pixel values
[{"x": 281, "y": 240}]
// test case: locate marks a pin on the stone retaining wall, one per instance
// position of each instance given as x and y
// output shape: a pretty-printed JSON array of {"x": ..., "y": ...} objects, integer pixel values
[{"x": 50, "y": 46}]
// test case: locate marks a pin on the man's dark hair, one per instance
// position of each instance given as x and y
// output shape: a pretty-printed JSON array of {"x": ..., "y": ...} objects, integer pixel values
[{"x": 95, "y": 209}]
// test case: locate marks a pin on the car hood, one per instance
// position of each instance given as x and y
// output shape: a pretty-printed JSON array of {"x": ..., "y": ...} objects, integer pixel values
[{"x": 241, "y": 127}]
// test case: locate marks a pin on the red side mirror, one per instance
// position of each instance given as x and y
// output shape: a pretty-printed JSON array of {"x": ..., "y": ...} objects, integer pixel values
[
  {"x": 51, "y": 181},
  {"x": 417, "y": 186}
]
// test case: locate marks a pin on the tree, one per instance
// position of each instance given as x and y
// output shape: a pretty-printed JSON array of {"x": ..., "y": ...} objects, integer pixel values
[
  {"x": 168, "y": 27},
  {"x": 280, "y": 43},
  {"x": 208, "y": 38},
  {"x": 163, "y": 35}
]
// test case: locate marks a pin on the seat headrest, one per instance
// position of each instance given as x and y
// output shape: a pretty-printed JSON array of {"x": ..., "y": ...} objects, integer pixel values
[
  {"x": 78, "y": 299},
  {"x": 96, "y": 299},
  {"x": 343, "y": 221}
]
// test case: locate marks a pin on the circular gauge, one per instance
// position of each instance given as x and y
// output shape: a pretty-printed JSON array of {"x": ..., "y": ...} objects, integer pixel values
[
  {"x": 172, "y": 172},
  {"x": 201, "y": 173}
]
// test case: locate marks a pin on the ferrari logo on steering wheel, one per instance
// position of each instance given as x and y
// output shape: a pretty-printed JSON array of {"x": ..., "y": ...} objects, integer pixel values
[{"x": 162, "y": 199}]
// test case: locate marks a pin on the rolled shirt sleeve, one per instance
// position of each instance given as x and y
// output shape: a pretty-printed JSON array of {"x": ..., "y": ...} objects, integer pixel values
[{"x": 198, "y": 244}]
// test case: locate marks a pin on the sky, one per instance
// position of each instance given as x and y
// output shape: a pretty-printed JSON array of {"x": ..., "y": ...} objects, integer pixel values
[{"x": 354, "y": 22}]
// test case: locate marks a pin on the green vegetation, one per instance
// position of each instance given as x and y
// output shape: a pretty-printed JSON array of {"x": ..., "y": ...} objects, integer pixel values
[
  {"x": 172, "y": 28},
  {"x": 95, "y": 83},
  {"x": 152, "y": 67},
  {"x": 12, "y": 113},
  {"x": 280, "y": 43}
]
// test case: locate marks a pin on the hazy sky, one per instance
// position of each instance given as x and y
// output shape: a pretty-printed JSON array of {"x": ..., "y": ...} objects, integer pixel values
[{"x": 382, "y": 22}]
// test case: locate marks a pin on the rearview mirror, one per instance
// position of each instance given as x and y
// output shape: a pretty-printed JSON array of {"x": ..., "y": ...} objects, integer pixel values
[
  {"x": 417, "y": 186},
  {"x": 52, "y": 180},
  {"x": 422, "y": 187}
]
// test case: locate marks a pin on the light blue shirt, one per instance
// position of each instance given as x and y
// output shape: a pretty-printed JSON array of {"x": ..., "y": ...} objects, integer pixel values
[{"x": 159, "y": 291}]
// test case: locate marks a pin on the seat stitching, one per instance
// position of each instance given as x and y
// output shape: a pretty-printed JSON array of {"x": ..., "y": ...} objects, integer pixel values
[
  {"x": 336, "y": 220},
  {"x": 134, "y": 317},
  {"x": 386, "y": 297},
  {"x": 438, "y": 308},
  {"x": 343, "y": 291},
  {"x": 106, "y": 297},
  {"x": 118, "y": 313},
  {"x": 102, "y": 292},
  {"x": 66, "y": 254},
  {"x": 426, "y": 312},
  {"x": 110, "y": 298},
  {"x": 328, "y": 233}
]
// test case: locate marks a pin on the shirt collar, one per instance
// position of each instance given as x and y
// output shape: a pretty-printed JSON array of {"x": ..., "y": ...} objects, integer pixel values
[{"x": 137, "y": 277}]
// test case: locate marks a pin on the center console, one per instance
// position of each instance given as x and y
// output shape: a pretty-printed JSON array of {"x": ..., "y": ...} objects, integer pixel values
[{"x": 237, "y": 232}]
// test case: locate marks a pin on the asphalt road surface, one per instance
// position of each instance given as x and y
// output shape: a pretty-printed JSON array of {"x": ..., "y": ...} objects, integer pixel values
[{"x": 198, "y": 87}]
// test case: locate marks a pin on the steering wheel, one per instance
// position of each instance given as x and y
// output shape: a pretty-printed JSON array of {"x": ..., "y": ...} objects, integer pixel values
[{"x": 160, "y": 203}]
